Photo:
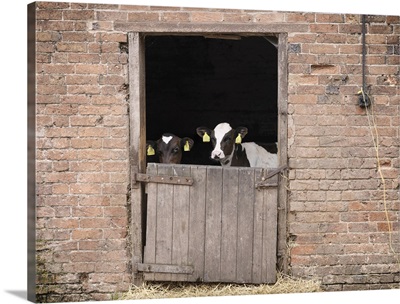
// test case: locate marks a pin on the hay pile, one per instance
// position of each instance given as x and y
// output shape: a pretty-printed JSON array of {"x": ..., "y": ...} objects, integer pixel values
[{"x": 284, "y": 284}]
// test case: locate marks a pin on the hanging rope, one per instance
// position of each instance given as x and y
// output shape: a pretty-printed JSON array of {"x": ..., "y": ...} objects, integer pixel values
[{"x": 364, "y": 102}]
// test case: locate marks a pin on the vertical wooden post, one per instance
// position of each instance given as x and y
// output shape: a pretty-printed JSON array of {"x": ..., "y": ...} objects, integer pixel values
[
  {"x": 283, "y": 149},
  {"x": 137, "y": 120}
]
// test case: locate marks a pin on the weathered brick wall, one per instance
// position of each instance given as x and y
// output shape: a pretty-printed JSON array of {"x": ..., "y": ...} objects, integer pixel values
[{"x": 337, "y": 227}]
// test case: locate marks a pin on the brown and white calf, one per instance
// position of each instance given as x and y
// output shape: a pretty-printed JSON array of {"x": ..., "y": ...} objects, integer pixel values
[
  {"x": 230, "y": 151},
  {"x": 169, "y": 148}
]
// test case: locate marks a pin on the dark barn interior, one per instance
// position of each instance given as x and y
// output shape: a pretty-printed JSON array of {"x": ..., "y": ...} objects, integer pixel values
[{"x": 194, "y": 81}]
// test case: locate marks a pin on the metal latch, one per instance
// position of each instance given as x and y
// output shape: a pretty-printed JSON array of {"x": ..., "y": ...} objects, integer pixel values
[{"x": 164, "y": 179}]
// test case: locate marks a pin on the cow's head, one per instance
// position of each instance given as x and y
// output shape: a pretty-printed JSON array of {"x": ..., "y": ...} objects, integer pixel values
[
  {"x": 169, "y": 148},
  {"x": 223, "y": 139}
]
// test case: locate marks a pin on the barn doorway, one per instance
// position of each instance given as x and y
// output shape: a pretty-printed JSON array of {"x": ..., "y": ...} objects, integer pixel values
[
  {"x": 184, "y": 79},
  {"x": 194, "y": 81}
]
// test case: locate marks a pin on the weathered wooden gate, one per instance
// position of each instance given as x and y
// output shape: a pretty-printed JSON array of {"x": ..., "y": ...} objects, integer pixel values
[{"x": 221, "y": 228}]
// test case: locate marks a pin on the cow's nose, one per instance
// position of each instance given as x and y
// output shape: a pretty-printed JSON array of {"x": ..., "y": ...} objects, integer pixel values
[{"x": 216, "y": 154}]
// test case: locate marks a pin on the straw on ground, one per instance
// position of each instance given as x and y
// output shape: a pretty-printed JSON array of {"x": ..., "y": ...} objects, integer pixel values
[{"x": 284, "y": 284}]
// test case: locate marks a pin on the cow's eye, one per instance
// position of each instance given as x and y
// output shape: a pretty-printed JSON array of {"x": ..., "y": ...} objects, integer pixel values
[{"x": 176, "y": 149}]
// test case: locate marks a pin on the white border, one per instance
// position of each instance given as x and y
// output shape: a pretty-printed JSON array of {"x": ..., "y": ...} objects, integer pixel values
[{"x": 14, "y": 137}]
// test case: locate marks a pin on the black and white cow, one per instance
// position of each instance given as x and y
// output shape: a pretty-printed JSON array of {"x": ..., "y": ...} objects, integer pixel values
[
  {"x": 230, "y": 151},
  {"x": 169, "y": 148}
]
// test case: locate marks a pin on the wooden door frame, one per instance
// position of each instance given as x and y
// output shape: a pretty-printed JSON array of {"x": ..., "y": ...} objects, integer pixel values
[{"x": 137, "y": 116}]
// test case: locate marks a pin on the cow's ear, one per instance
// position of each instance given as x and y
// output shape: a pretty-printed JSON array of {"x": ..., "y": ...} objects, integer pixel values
[
  {"x": 187, "y": 144},
  {"x": 204, "y": 133},
  {"x": 240, "y": 133},
  {"x": 151, "y": 147}
]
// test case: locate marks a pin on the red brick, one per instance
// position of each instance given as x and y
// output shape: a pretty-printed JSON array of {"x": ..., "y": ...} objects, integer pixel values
[
  {"x": 269, "y": 17},
  {"x": 82, "y": 79},
  {"x": 324, "y": 28},
  {"x": 87, "y": 211},
  {"x": 63, "y": 177},
  {"x": 79, "y": 267},
  {"x": 49, "y": 15},
  {"x": 45, "y": 212},
  {"x": 51, "y": 89},
  {"x": 303, "y": 250},
  {"x": 94, "y": 200},
  {"x": 77, "y": 99},
  {"x": 300, "y": 18},
  {"x": 362, "y": 227},
  {"x": 85, "y": 189},
  {"x": 102, "y": 109},
  {"x": 52, "y": 5},
  {"x": 117, "y": 267},
  {"x": 63, "y": 223},
  {"x": 78, "y": 15},
  {"x": 90, "y": 69},
  {"x": 94, "y": 177},
  {"x": 93, "y": 132},
  {"x": 85, "y": 166},
  {"x": 115, "y": 233},
  {"x": 75, "y": 47},
  {"x": 60, "y": 200},
  {"x": 116, "y": 143},
  {"x": 85, "y": 234},
  {"x": 112, "y": 16},
  {"x": 83, "y": 58},
  {"x": 118, "y": 200},
  {"x": 175, "y": 17},
  {"x": 77, "y": 37},
  {"x": 206, "y": 17},
  {"x": 115, "y": 211},
  {"x": 86, "y": 143}
]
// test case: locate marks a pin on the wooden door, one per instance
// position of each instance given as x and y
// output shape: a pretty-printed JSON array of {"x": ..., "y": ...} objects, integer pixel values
[{"x": 222, "y": 228}]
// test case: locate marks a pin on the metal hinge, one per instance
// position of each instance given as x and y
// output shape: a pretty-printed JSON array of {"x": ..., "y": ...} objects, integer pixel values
[
  {"x": 164, "y": 179},
  {"x": 264, "y": 183},
  {"x": 162, "y": 268}
]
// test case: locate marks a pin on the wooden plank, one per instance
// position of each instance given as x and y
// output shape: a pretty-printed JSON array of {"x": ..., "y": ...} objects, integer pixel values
[
  {"x": 212, "y": 263},
  {"x": 245, "y": 225},
  {"x": 160, "y": 268},
  {"x": 151, "y": 223},
  {"x": 283, "y": 147},
  {"x": 229, "y": 233},
  {"x": 258, "y": 221},
  {"x": 190, "y": 28},
  {"x": 269, "y": 234},
  {"x": 164, "y": 227},
  {"x": 180, "y": 227},
  {"x": 137, "y": 127},
  {"x": 197, "y": 212}
]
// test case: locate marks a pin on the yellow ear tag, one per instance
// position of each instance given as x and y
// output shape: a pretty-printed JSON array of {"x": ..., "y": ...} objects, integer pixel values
[
  {"x": 186, "y": 147},
  {"x": 238, "y": 139},
  {"x": 150, "y": 151},
  {"x": 206, "y": 138}
]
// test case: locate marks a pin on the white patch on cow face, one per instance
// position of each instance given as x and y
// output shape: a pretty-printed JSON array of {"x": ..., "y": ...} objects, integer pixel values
[
  {"x": 166, "y": 139},
  {"x": 219, "y": 133}
]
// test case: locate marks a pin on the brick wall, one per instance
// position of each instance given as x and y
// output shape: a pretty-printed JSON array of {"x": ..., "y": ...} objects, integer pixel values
[
  {"x": 337, "y": 215},
  {"x": 338, "y": 226}
]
